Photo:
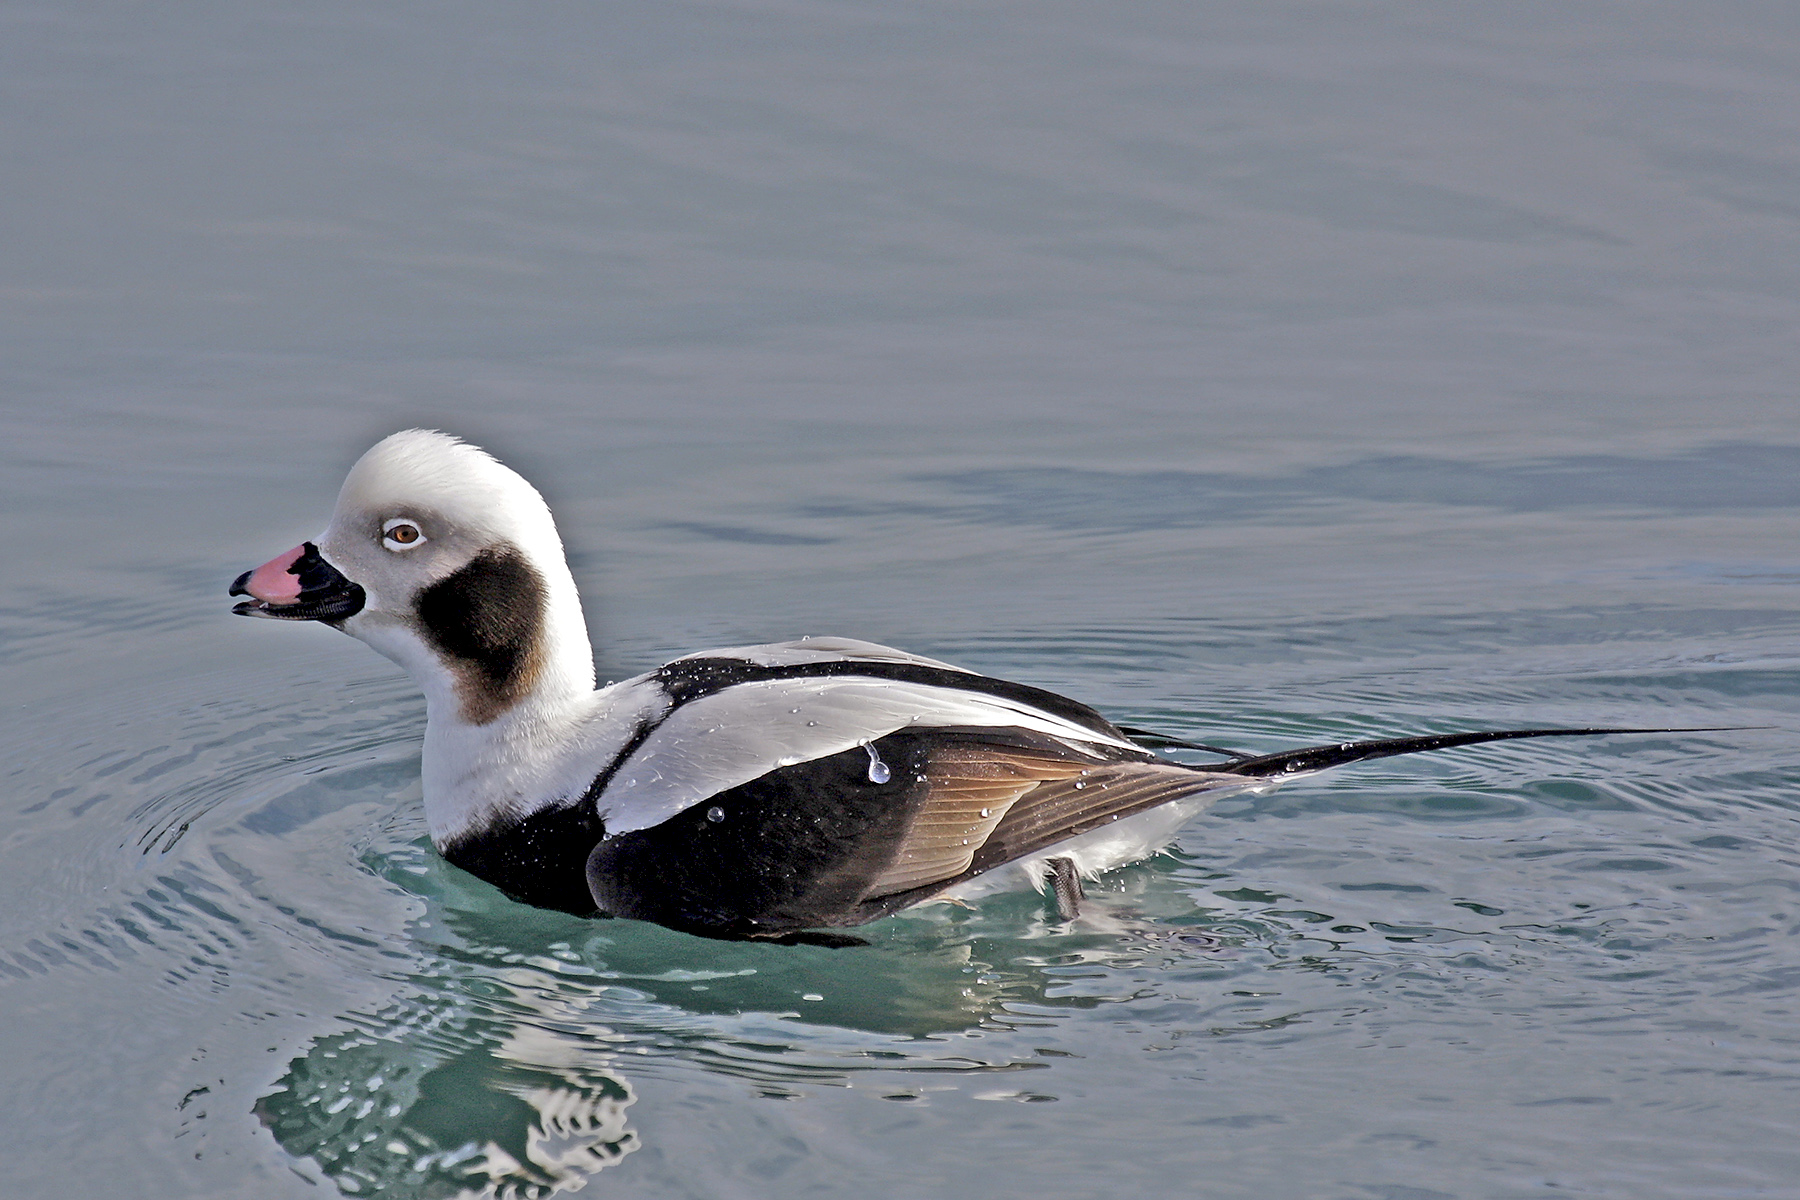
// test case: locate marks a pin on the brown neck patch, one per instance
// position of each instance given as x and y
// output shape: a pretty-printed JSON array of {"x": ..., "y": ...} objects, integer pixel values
[{"x": 487, "y": 620}]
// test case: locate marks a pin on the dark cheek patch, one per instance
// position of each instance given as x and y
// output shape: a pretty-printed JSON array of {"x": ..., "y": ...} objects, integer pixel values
[{"x": 488, "y": 621}]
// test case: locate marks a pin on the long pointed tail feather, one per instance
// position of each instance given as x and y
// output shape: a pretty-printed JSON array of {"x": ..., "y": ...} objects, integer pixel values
[{"x": 1317, "y": 758}]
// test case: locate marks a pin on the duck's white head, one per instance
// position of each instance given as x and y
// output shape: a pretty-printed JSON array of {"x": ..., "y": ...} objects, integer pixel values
[{"x": 449, "y": 563}]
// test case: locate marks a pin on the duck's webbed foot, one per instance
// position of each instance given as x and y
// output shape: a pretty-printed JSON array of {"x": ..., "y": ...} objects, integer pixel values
[{"x": 1065, "y": 887}]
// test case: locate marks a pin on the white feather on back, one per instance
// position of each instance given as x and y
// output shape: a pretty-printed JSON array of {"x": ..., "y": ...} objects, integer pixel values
[{"x": 745, "y": 731}]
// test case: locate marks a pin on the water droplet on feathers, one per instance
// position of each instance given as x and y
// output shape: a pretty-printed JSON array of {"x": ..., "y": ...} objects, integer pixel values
[
  {"x": 878, "y": 770},
  {"x": 715, "y": 814}
]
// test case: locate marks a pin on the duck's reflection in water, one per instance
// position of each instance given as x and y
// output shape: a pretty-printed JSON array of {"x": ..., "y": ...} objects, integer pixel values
[
  {"x": 530, "y": 1116},
  {"x": 495, "y": 1070}
]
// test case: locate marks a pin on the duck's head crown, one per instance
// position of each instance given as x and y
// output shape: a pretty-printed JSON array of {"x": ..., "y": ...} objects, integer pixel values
[{"x": 462, "y": 484}]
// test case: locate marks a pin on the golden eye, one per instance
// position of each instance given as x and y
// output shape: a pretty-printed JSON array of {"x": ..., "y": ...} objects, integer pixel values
[{"x": 399, "y": 534}]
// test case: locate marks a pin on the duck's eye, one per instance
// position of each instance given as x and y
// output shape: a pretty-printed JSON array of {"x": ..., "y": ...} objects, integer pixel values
[{"x": 401, "y": 534}]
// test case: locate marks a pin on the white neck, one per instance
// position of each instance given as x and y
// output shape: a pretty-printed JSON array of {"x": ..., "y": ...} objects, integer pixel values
[
  {"x": 477, "y": 775},
  {"x": 479, "y": 772}
]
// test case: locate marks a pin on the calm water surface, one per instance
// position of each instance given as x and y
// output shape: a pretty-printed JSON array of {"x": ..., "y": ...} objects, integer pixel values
[{"x": 1267, "y": 375}]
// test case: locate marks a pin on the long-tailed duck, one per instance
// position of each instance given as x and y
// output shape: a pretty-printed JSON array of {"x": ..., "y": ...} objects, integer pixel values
[{"x": 753, "y": 792}]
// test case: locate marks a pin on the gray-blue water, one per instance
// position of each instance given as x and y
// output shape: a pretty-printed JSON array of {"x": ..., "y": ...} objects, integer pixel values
[{"x": 1265, "y": 374}]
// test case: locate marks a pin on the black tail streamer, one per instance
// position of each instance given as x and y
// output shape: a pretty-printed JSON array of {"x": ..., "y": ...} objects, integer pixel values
[{"x": 1317, "y": 758}]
